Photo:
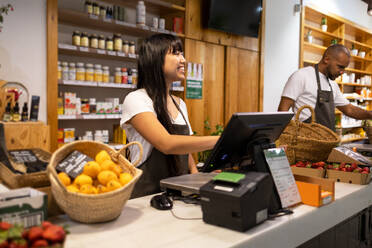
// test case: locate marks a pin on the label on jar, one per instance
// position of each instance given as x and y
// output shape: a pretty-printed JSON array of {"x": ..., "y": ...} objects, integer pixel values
[
  {"x": 105, "y": 78},
  {"x": 89, "y": 75},
  {"x": 84, "y": 41},
  {"x": 118, "y": 78},
  {"x": 72, "y": 74},
  {"x": 76, "y": 40},
  {"x": 118, "y": 44},
  {"x": 94, "y": 43},
  {"x": 98, "y": 77},
  {"x": 109, "y": 45},
  {"x": 101, "y": 44},
  {"x": 80, "y": 75}
]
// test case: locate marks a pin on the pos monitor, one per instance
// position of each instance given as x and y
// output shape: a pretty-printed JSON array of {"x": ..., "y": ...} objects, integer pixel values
[{"x": 243, "y": 141}]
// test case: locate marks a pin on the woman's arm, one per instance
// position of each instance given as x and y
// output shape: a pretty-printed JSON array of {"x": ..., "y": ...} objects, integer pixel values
[
  {"x": 153, "y": 131},
  {"x": 192, "y": 165}
]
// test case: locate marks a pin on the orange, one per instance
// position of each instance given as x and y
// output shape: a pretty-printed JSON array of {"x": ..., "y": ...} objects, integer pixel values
[
  {"x": 83, "y": 179},
  {"x": 72, "y": 188},
  {"x": 113, "y": 185},
  {"x": 106, "y": 176},
  {"x": 87, "y": 189},
  {"x": 125, "y": 178},
  {"x": 65, "y": 179},
  {"x": 92, "y": 168},
  {"x": 102, "y": 156},
  {"x": 108, "y": 165}
]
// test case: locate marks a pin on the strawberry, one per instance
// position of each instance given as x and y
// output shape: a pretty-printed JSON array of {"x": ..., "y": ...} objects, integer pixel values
[
  {"x": 35, "y": 233},
  {"x": 321, "y": 163},
  {"x": 354, "y": 166},
  {"x": 18, "y": 243},
  {"x": 40, "y": 243},
  {"x": 330, "y": 167},
  {"x": 4, "y": 244},
  {"x": 54, "y": 233},
  {"x": 336, "y": 168},
  {"x": 364, "y": 172},
  {"x": 5, "y": 225},
  {"x": 46, "y": 224},
  {"x": 366, "y": 169},
  {"x": 342, "y": 165},
  {"x": 344, "y": 169},
  {"x": 320, "y": 168}
]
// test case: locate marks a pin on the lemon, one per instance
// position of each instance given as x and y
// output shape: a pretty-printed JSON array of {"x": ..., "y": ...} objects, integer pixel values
[
  {"x": 72, "y": 188},
  {"x": 117, "y": 170},
  {"x": 102, "y": 156},
  {"x": 125, "y": 178},
  {"x": 87, "y": 189},
  {"x": 106, "y": 176},
  {"x": 65, "y": 179},
  {"x": 113, "y": 185},
  {"x": 101, "y": 189},
  {"x": 83, "y": 179},
  {"x": 108, "y": 165},
  {"x": 92, "y": 168}
]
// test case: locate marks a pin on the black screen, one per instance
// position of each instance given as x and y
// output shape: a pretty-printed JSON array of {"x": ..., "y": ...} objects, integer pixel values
[
  {"x": 243, "y": 129},
  {"x": 240, "y": 17}
]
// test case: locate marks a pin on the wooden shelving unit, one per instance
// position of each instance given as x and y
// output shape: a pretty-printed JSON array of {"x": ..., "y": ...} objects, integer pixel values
[{"x": 344, "y": 32}]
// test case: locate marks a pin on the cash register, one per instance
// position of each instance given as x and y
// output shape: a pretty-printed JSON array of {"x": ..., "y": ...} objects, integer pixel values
[{"x": 238, "y": 199}]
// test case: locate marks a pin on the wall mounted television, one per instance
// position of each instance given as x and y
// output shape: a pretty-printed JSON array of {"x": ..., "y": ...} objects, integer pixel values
[{"x": 240, "y": 17}]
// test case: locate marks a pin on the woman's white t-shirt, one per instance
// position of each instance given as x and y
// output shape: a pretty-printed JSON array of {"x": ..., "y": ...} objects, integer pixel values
[{"x": 138, "y": 102}]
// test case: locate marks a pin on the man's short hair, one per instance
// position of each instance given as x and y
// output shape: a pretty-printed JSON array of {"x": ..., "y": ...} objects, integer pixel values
[{"x": 336, "y": 49}]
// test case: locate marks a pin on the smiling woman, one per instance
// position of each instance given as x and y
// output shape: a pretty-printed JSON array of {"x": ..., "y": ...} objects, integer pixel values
[{"x": 159, "y": 120}]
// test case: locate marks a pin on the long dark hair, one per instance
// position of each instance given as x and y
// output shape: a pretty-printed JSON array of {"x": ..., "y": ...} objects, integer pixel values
[{"x": 152, "y": 54}]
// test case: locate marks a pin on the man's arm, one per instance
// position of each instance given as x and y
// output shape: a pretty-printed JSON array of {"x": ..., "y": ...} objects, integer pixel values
[
  {"x": 285, "y": 104},
  {"x": 355, "y": 112}
]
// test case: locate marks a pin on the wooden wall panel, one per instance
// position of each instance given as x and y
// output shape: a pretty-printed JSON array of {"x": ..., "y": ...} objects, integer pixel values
[
  {"x": 211, "y": 106},
  {"x": 194, "y": 30},
  {"x": 242, "y": 87}
]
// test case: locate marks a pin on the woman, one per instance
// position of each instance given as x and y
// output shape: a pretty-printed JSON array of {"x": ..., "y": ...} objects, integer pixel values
[{"x": 158, "y": 120}]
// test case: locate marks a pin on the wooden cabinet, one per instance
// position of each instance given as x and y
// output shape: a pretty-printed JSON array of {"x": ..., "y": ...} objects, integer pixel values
[{"x": 357, "y": 79}]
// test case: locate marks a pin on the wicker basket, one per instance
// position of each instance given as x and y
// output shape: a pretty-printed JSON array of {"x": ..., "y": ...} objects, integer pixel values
[
  {"x": 93, "y": 208},
  {"x": 308, "y": 141}
]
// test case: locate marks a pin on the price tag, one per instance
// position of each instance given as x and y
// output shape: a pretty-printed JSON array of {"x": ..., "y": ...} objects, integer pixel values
[
  {"x": 120, "y": 54},
  {"x": 145, "y": 28},
  {"x": 133, "y": 56},
  {"x": 66, "y": 46},
  {"x": 107, "y": 20},
  {"x": 154, "y": 29},
  {"x": 112, "y": 53},
  {"x": 84, "y": 49},
  {"x": 120, "y": 22},
  {"x": 100, "y": 51},
  {"x": 94, "y": 17}
]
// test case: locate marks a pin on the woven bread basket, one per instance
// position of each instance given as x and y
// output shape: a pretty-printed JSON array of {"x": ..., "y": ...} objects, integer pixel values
[
  {"x": 93, "y": 208},
  {"x": 307, "y": 141}
]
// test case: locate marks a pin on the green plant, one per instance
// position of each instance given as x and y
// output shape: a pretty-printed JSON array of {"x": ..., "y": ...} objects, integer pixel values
[
  {"x": 324, "y": 21},
  {"x": 202, "y": 156},
  {"x": 352, "y": 47},
  {"x": 334, "y": 41},
  {"x": 4, "y": 9}
]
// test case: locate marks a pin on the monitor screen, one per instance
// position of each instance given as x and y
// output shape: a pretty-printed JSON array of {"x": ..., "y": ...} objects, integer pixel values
[
  {"x": 240, "y": 17},
  {"x": 243, "y": 129}
]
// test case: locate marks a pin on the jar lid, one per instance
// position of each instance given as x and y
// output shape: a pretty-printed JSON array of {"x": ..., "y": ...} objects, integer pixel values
[
  {"x": 89, "y": 65},
  {"x": 109, "y": 38},
  {"x": 64, "y": 63},
  {"x": 117, "y": 35},
  {"x": 72, "y": 64},
  {"x": 80, "y": 64},
  {"x": 131, "y": 42},
  {"x": 88, "y": 2},
  {"x": 125, "y": 42},
  {"x": 101, "y": 36},
  {"x": 97, "y": 66},
  {"x": 76, "y": 32},
  {"x": 123, "y": 69},
  {"x": 93, "y": 36},
  {"x": 92, "y": 100},
  {"x": 105, "y": 67},
  {"x": 117, "y": 69},
  {"x": 85, "y": 34},
  {"x": 88, "y": 133}
]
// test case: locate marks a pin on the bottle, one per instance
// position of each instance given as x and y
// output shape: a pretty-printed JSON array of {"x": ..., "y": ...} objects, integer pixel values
[
  {"x": 98, "y": 136},
  {"x": 80, "y": 72},
  {"x": 88, "y": 135},
  {"x": 134, "y": 76},
  {"x": 98, "y": 73},
  {"x": 92, "y": 105},
  {"x": 124, "y": 75},
  {"x": 15, "y": 114},
  {"x": 96, "y": 9},
  {"x": 117, "y": 75},
  {"x": 105, "y": 136},
  {"x": 24, "y": 112},
  {"x": 103, "y": 11},
  {"x": 141, "y": 13},
  {"x": 76, "y": 37},
  {"x": 109, "y": 44},
  {"x": 101, "y": 42},
  {"x": 106, "y": 74},
  {"x": 72, "y": 72},
  {"x": 130, "y": 76},
  {"x": 84, "y": 41},
  {"x": 59, "y": 70},
  {"x": 132, "y": 48},
  {"x": 118, "y": 42},
  {"x": 65, "y": 71},
  {"x": 88, "y": 7},
  {"x": 89, "y": 72},
  {"x": 125, "y": 47},
  {"x": 8, "y": 113},
  {"x": 94, "y": 41}
]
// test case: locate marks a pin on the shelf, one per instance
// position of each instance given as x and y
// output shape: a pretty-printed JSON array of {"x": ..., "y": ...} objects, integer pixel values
[
  {"x": 358, "y": 71},
  {"x": 359, "y": 98},
  {"x": 353, "y": 139},
  {"x": 152, "y": 6},
  {"x": 81, "y": 19},
  {"x": 315, "y": 47},
  {"x": 313, "y": 62},
  {"x": 360, "y": 58},
  {"x": 358, "y": 43},
  {"x": 96, "y": 84},
  {"x": 67, "y": 49},
  {"x": 90, "y": 117},
  {"x": 355, "y": 85},
  {"x": 320, "y": 33}
]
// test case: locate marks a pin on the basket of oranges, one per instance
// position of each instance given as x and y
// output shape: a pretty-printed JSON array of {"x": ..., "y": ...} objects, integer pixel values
[{"x": 100, "y": 192}]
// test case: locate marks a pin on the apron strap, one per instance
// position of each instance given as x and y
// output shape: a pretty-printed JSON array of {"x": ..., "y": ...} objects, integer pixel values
[{"x": 179, "y": 109}]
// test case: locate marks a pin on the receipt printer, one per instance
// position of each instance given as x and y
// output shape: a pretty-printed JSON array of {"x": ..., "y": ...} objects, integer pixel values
[{"x": 235, "y": 200}]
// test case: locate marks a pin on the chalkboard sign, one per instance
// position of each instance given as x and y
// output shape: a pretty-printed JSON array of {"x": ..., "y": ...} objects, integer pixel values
[
  {"x": 73, "y": 164},
  {"x": 23, "y": 156}
]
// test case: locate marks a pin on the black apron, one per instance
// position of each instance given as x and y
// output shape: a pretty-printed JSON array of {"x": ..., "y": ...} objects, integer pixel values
[
  {"x": 325, "y": 105},
  {"x": 157, "y": 166}
]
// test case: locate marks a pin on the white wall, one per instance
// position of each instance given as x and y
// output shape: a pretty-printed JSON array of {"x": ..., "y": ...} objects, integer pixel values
[
  {"x": 23, "y": 48},
  {"x": 282, "y": 34}
]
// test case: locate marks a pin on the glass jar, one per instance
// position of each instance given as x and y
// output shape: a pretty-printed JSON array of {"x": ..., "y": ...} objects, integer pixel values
[
  {"x": 96, "y": 9},
  {"x": 118, "y": 42},
  {"x": 92, "y": 105},
  {"x": 80, "y": 72},
  {"x": 65, "y": 71},
  {"x": 105, "y": 134},
  {"x": 134, "y": 76},
  {"x": 89, "y": 72},
  {"x": 84, "y": 41},
  {"x": 59, "y": 70},
  {"x": 94, "y": 41},
  {"x": 118, "y": 75},
  {"x": 72, "y": 72},
  {"x": 88, "y": 7},
  {"x": 103, "y": 11},
  {"x": 124, "y": 75},
  {"x": 130, "y": 76},
  {"x": 76, "y": 35},
  {"x": 132, "y": 47},
  {"x": 109, "y": 44},
  {"x": 98, "y": 136},
  {"x": 106, "y": 74},
  {"x": 101, "y": 42},
  {"x": 98, "y": 73},
  {"x": 88, "y": 135},
  {"x": 125, "y": 47}
]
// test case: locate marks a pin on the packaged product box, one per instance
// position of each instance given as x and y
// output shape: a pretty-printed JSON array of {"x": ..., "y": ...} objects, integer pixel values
[
  {"x": 349, "y": 177},
  {"x": 69, "y": 135},
  {"x": 344, "y": 154},
  {"x": 24, "y": 206},
  {"x": 115, "y": 104},
  {"x": 308, "y": 171}
]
